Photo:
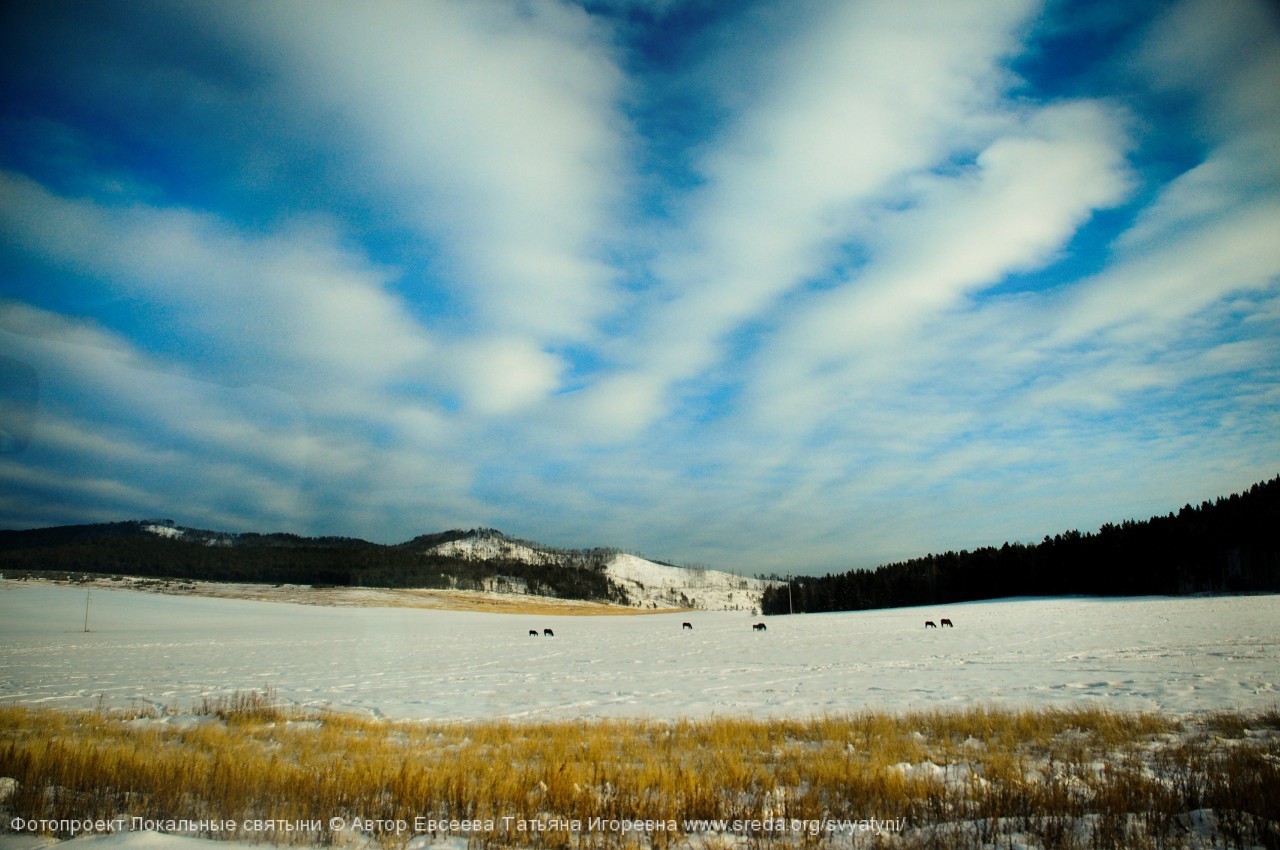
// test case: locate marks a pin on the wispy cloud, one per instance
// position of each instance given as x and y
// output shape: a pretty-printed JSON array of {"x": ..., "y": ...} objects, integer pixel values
[
  {"x": 493, "y": 130},
  {"x": 839, "y": 114},
  {"x": 293, "y": 308}
]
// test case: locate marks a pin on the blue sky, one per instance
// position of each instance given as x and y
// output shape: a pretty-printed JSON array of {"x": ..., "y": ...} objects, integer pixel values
[{"x": 791, "y": 287}]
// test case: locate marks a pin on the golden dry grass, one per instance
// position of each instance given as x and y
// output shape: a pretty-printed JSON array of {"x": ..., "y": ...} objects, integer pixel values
[
  {"x": 358, "y": 597},
  {"x": 1081, "y": 777}
]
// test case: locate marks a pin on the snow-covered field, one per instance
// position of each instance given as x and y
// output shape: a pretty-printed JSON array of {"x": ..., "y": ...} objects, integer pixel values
[{"x": 1179, "y": 655}]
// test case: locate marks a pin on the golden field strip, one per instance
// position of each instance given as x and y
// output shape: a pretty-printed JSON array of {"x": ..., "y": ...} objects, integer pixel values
[
  {"x": 476, "y": 601},
  {"x": 246, "y": 768}
]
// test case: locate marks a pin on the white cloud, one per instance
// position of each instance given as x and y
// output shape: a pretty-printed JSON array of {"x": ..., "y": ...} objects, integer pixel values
[
  {"x": 1147, "y": 294},
  {"x": 493, "y": 128},
  {"x": 293, "y": 309},
  {"x": 863, "y": 97},
  {"x": 617, "y": 407},
  {"x": 113, "y": 428},
  {"x": 1226, "y": 59},
  {"x": 502, "y": 375},
  {"x": 1021, "y": 203},
  {"x": 124, "y": 434}
]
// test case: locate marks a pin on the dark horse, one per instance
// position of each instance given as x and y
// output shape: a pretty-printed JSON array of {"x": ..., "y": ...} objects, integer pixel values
[
  {"x": 930, "y": 624},
  {"x": 686, "y": 626},
  {"x": 760, "y": 627},
  {"x": 533, "y": 632},
  {"x": 947, "y": 622},
  {"x": 548, "y": 633}
]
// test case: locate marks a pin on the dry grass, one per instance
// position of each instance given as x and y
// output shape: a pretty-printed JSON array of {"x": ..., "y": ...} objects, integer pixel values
[
  {"x": 354, "y": 597},
  {"x": 1081, "y": 777}
]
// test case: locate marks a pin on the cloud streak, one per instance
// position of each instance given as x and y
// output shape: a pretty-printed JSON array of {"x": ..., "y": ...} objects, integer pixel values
[{"x": 493, "y": 129}]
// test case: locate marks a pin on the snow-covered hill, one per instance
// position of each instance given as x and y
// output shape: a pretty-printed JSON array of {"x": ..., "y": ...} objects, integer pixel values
[
  {"x": 648, "y": 584},
  {"x": 491, "y": 546},
  {"x": 653, "y": 585}
]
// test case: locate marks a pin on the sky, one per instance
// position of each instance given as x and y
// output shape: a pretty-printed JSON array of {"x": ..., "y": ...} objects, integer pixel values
[{"x": 772, "y": 287}]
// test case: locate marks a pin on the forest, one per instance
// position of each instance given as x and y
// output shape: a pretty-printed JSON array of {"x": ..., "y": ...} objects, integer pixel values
[
  {"x": 1231, "y": 545},
  {"x": 130, "y": 548}
]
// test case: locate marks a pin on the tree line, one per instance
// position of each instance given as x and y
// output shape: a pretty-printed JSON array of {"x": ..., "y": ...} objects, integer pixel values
[
  {"x": 127, "y": 548},
  {"x": 1231, "y": 545}
]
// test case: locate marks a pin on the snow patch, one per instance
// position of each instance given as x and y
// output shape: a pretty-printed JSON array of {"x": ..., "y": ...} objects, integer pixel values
[
  {"x": 653, "y": 585},
  {"x": 946, "y": 774},
  {"x": 491, "y": 548}
]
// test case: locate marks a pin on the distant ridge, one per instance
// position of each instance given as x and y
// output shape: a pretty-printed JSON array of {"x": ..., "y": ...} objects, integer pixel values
[
  {"x": 646, "y": 583},
  {"x": 480, "y": 559}
]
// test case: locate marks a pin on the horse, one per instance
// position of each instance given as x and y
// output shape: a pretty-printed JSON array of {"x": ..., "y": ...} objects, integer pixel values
[
  {"x": 533, "y": 632},
  {"x": 686, "y": 626},
  {"x": 548, "y": 633},
  {"x": 947, "y": 622},
  {"x": 930, "y": 624},
  {"x": 760, "y": 627}
]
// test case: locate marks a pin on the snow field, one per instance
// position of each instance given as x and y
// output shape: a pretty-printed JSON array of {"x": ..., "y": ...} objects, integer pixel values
[{"x": 1178, "y": 655}]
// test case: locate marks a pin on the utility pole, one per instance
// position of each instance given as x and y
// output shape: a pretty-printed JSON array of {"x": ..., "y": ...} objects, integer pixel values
[
  {"x": 87, "y": 594},
  {"x": 790, "y": 607}
]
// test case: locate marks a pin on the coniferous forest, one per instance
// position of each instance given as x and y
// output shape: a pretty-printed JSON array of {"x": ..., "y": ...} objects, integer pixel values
[
  {"x": 131, "y": 548},
  {"x": 1231, "y": 545}
]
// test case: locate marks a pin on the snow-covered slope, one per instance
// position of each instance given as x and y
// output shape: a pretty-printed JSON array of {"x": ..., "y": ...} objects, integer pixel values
[
  {"x": 652, "y": 585},
  {"x": 647, "y": 583},
  {"x": 490, "y": 547}
]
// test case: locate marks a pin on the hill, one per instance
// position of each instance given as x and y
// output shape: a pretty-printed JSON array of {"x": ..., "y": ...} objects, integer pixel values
[
  {"x": 476, "y": 560},
  {"x": 646, "y": 583}
]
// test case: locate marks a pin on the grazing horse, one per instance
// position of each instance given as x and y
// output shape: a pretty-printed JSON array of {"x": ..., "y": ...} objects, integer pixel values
[
  {"x": 533, "y": 632},
  {"x": 684, "y": 626},
  {"x": 548, "y": 633},
  {"x": 760, "y": 627},
  {"x": 947, "y": 622},
  {"x": 930, "y": 624}
]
